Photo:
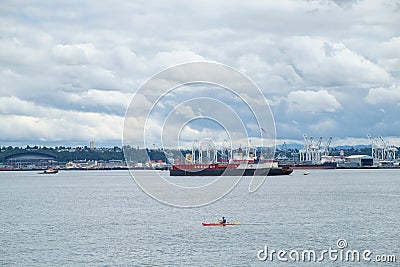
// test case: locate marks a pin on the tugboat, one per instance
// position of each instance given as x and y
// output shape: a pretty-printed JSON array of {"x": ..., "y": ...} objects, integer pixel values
[{"x": 50, "y": 171}]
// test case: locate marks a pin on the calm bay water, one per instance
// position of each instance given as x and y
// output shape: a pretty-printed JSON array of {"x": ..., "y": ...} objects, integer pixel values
[{"x": 97, "y": 218}]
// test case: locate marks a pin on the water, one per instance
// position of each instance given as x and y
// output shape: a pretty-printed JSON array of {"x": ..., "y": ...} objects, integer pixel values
[{"x": 97, "y": 218}]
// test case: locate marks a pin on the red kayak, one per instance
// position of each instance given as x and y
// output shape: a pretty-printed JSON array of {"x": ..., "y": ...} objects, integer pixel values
[{"x": 220, "y": 224}]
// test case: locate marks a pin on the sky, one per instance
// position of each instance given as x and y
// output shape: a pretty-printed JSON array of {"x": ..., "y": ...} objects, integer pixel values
[{"x": 69, "y": 69}]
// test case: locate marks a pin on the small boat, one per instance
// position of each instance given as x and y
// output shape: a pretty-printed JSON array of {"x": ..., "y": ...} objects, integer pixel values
[
  {"x": 50, "y": 171},
  {"x": 220, "y": 224},
  {"x": 306, "y": 173}
]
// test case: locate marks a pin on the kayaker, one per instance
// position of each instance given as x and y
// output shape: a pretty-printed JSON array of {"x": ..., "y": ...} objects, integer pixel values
[{"x": 223, "y": 220}]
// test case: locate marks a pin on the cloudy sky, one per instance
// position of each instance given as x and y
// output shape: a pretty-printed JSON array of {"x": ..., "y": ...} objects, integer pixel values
[{"x": 68, "y": 69}]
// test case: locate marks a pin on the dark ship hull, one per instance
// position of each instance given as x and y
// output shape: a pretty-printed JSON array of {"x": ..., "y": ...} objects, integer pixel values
[
  {"x": 308, "y": 166},
  {"x": 226, "y": 170}
]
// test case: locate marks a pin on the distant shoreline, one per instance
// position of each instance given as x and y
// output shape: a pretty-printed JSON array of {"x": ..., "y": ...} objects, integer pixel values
[{"x": 164, "y": 169}]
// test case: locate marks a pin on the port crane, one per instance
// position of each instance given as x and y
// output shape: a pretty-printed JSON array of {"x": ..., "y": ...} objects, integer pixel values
[
  {"x": 314, "y": 150},
  {"x": 389, "y": 151},
  {"x": 382, "y": 150}
]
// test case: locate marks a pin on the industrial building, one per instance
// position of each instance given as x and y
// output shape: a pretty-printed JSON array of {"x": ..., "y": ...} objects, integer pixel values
[
  {"x": 355, "y": 161},
  {"x": 30, "y": 160}
]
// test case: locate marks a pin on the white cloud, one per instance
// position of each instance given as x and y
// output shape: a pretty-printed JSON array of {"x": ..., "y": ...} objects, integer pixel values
[
  {"x": 322, "y": 127},
  {"x": 326, "y": 63},
  {"x": 15, "y": 106},
  {"x": 388, "y": 55},
  {"x": 252, "y": 63},
  {"x": 185, "y": 111},
  {"x": 383, "y": 95},
  {"x": 76, "y": 54},
  {"x": 89, "y": 58},
  {"x": 312, "y": 101},
  {"x": 99, "y": 98},
  {"x": 45, "y": 123},
  {"x": 168, "y": 58},
  {"x": 89, "y": 126}
]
